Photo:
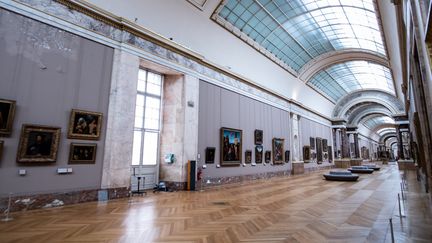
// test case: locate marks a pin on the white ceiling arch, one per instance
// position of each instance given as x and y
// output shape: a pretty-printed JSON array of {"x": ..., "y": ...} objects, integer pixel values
[
  {"x": 353, "y": 119},
  {"x": 328, "y": 59},
  {"x": 393, "y": 104}
]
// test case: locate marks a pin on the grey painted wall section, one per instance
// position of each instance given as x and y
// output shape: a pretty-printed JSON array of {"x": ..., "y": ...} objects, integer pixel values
[
  {"x": 309, "y": 128},
  {"x": 49, "y": 72},
  {"x": 218, "y": 108}
]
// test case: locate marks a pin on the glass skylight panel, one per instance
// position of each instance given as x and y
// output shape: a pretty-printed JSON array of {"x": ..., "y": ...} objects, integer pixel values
[
  {"x": 351, "y": 76},
  {"x": 313, "y": 27}
]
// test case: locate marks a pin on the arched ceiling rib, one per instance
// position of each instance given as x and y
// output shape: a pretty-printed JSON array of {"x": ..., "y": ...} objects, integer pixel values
[
  {"x": 330, "y": 58},
  {"x": 385, "y": 130},
  {"x": 374, "y": 120},
  {"x": 341, "y": 79},
  {"x": 362, "y": 111},
  {"x": 298, "y": 31},
  {"x": 345, "y": 104}
]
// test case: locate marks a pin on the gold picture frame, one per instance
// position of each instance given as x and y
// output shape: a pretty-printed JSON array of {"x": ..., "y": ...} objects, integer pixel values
[
  {"x": 7, "y": 113},
  {"x": 38, "y": 143},
  {"x": 85, "y": 125},
  {"x": 278, "y": 150},
  {"x": 231, "y": 146},
  {"x": 82, "y": 153}
]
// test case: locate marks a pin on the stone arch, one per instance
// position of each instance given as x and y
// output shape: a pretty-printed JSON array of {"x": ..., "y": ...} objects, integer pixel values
[{"x": 328, "y": 59}]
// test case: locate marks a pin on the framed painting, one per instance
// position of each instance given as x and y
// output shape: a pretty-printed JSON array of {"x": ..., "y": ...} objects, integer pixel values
[
  {"x": 306, "y": 153},
  {"x": 231, "y": 146},
  {"x": 267, "y": 156},
  {"x": 82, "y": 153},
  {"x": 287, "y": 156},
  {"x": 1, "y": 148},
  {"x": 210, "y": 155},
  {"x": 258, "y": 137},
  {"x": 38, "y": 143},
  {"x": 7, "y": 113},
  {"x": 278, "y": 150},
  {"x": 248, "y": 156},
  {"x": 258, "y": 154},
  {"x": 324, "y": 145},
  {"x": 85, "y": 125},
  {"x": 312, "y": 143}
]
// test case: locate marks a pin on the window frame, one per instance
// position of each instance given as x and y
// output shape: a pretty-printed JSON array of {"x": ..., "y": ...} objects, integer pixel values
[{"x": 143, "y": 130}]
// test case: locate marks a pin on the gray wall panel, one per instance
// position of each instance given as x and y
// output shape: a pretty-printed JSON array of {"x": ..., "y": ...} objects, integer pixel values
[
  {"x": 229, "y": 109},
  {"x": 49, "y": 72}
]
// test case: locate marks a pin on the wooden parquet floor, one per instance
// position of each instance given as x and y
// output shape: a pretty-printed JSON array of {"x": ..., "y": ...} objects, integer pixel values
[{"x": 291, "y": 209}]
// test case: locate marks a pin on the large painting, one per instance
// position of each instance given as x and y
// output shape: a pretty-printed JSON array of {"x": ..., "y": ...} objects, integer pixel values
[
  {"x": 7, "y": 112},
  {"x": 278, "y": 150},
  {"x": 38, "y": 143},
  {"x": 82, "y": 153},
  {"x": 258, "y": 154},
  {"x": 85, "y": 125},
  {"x": 231, "y": 144}
]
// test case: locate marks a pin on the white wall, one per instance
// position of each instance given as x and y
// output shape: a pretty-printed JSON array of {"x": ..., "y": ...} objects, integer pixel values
[{"x": 193, "y": 28}]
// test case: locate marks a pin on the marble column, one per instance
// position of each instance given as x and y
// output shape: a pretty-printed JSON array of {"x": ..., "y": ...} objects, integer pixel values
[
  {"x": 120, "y": 121},
  {"x": 335, "y": 148},
  {"x": 345, "y": 144},
  {"x": 356, "y": 145},
  {"x": 296, "y": 138},
  {"x": 400, "y": 143},
  {"x": 179, "y": 134}
]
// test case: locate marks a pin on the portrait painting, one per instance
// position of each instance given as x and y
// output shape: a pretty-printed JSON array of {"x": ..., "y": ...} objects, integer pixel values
[
  {"x": 267, "y": 155},
  {"x": 82, "y": 153},
  {"x": 231, "y": 146},
  {"x": 258, "y": 137},
  {"x": 85, "y": 125},
  {"x": 278, "y": 150},
  {"x": 248, "y": 156},
  {"x": 312, "y": 143},
  {"x": 287, "y": 156},
  {"x": 258, "y": 154},
  {"x": 38, "y": 143},
  {"x": 330, "y": 152},
  {"x": 7, "y": 113},
  {"x": 210, "y": 155}
]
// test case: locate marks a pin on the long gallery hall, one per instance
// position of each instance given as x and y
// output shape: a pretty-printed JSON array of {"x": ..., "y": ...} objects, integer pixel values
[{"x": 215, "y": 121}]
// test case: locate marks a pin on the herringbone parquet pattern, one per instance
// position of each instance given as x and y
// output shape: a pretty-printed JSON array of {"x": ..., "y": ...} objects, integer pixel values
[{"x": 296, "y": 209}]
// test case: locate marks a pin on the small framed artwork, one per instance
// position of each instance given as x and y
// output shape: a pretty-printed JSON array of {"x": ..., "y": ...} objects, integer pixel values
[
  {"x": 258, "y": 154},
  {"x": 312, "y": 143},
  {"x": 248, "y": 156},
  {"x": 85, "y": 125},
  {"x": 324, "y": 145},
  {"x": 231, "y": 144},
  {"x": 258, "y": 137},
  {"x": 278, "y": 148},
  {"x": 306, "y": 153},
  {"x": 268, "y": 156},
  {"x": 287, "y": 156},
  {"x": 7, "y": 113},
  {"x": 82, "y": 153},
  {"x": 38, "y": 143},
  {"x": 1, "y": 148},
  {"x": 210, "y": 155}
]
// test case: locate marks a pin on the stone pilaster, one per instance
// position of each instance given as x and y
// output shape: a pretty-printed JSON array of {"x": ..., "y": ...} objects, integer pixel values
[{"x": 120, "y": 121}]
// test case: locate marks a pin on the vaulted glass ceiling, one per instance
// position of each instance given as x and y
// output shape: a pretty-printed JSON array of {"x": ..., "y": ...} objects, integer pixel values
[
  {"x": 377, "y": 121},
  {"x": 340, "y": 79},
  {"x": 296, "y": 31},
  {"x": 383, "y": 131}
]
